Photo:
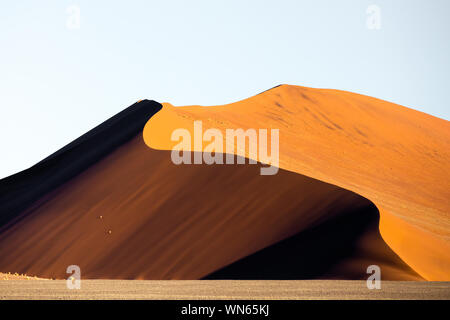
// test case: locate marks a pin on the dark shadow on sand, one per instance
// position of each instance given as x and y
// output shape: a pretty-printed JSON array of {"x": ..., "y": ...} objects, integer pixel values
[
  {"x": 20, "y": 190},
  {"x": 307, "y": 255}
]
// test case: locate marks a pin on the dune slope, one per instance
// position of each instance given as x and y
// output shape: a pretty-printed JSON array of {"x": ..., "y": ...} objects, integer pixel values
[
  {"x": 394, "y": 156},
  {"x": 121, "y": 210},
  {"x": 21, "y": 190},
  {"x": 342, "y": 247},
  {"x": 136, "y": 215}
]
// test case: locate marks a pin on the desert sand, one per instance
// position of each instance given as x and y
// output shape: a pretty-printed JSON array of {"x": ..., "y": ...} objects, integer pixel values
[
  {"x": 125, "y": 211},
  {"x": 394, "y": 156},
  {"x": 136, "y": 215},
  {"x": 223, "y": 290}
]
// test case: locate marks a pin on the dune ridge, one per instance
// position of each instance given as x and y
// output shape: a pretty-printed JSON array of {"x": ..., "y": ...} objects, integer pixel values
[{"x": 392, "y": 155}]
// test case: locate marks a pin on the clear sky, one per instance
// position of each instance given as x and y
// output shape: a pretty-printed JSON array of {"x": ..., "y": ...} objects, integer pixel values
[{"x": 60, "y": 76}]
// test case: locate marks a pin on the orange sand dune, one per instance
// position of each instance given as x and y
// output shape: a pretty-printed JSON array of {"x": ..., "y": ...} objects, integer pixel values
[
  {"x": 136, "y": 215},
  {"x": 394, "y": 156}
]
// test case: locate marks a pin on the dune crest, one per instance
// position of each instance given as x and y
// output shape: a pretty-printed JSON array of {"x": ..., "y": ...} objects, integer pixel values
[{"x": 392, "y": 155}]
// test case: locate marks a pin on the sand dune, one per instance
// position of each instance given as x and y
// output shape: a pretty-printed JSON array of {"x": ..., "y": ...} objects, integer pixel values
[
  {"x": 125, "y": 211},
  {"x": 394, "y": 156},
  {"x": 136, "y": 215}
]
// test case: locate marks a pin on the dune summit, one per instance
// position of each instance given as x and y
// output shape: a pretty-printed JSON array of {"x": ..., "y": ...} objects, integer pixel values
[{"x": 360, "y": 182}]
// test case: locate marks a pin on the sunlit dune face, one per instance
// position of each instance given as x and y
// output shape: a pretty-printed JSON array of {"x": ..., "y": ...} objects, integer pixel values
[{"x": 394, "y": 156}]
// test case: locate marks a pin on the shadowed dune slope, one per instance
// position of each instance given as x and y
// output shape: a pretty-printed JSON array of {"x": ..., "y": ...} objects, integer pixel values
[
  {"x": 341, "y": 247},
  {"x": 20, "y": 190},
  {"x": 136, "y": 215},
  {"x": 392, "y": 155}
]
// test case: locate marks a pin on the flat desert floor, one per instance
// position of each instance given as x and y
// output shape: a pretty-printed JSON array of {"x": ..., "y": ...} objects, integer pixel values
[{"x": 222, "y": 289}]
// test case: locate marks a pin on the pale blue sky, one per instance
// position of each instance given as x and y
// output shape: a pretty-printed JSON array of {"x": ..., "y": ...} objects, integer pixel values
[{"x": 56, "y": 83}]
